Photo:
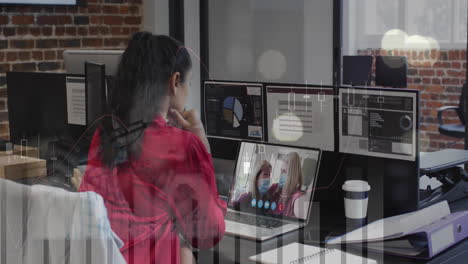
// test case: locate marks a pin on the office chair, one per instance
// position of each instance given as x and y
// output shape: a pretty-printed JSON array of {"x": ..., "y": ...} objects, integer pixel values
[{"x": 453, "y": 130}]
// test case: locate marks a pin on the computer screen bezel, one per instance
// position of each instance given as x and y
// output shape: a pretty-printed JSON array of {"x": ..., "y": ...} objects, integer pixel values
[
  {"x": 287, "y": 218},
  {"x": 383, "y": 89}
]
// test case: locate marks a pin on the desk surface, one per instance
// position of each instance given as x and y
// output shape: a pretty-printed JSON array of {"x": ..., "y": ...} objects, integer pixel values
[
  {"x": 447, "y": 158},
  {"x": 238, "y": 250}
]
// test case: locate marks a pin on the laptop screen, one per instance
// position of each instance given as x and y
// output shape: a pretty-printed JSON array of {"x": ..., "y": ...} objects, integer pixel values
[{"x": 274, "y": 180}]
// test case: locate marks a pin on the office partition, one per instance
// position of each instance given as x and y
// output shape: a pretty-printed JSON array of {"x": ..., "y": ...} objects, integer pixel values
[{"x": 271, "y": 41}]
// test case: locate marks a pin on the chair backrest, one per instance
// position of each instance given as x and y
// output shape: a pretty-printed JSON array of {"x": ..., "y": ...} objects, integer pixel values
[{"x": 461, "y": 106}]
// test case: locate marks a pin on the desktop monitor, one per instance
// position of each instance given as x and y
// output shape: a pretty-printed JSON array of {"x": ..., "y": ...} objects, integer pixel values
[
  {"x": 391, "y": 71},
  {"x": 37, "y": 106},
  {"x": 301, "y": 115},
  {"x": 357, "y": 70},
  {"x": 378, "y": 143},
  {"x": 284, "y": 166},
  {"x": 37, "y": 109},
  {"x": 74, "y": 60},
  {"x": 379, "y": 122},
  {"x": 46, "y": 107},
  {"x": 233, "y": 110},
  {"x": 95, "y": 76}
]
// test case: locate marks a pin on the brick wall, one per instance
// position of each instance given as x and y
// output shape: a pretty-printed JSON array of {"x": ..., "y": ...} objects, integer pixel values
[
  {"x": 439, "y": 75},
  {"x": 32, "y": 38}
]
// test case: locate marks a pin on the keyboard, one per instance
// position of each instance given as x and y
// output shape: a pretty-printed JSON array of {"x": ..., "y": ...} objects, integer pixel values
[{"x": 253, "y": 220}]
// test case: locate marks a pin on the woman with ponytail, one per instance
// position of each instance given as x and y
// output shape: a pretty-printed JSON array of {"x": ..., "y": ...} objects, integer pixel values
[{"x": 157, "y": 180}]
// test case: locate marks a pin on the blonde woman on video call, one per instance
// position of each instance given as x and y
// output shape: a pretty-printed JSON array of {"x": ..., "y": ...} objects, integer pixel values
[{"x": 288, "y": 188}]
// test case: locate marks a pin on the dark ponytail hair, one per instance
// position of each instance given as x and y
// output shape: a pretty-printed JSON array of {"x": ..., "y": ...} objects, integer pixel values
[{"x": 141, "y": 83}]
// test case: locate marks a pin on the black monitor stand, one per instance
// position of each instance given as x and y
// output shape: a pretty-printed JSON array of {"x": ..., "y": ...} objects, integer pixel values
[{"x": 444, "y": 165}]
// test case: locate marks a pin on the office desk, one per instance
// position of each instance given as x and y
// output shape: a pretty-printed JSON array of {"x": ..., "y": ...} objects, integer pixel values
[{"x": 238, "y": 250}]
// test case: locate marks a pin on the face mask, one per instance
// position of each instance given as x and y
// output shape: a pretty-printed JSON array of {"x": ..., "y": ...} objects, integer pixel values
[
  {"x": 282, "y": 179},
  {"x": 263, "y": 185}
]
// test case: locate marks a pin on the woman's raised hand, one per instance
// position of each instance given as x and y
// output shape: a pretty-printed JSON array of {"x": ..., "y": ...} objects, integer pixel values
[{"x": 190, "y": 121}]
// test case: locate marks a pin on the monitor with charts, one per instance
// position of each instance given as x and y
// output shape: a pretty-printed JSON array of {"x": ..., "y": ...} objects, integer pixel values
[
  {"x": 234, "y": 110},
  {"x": 379, "y": 122},
  {"x": 301, "y": 116}
]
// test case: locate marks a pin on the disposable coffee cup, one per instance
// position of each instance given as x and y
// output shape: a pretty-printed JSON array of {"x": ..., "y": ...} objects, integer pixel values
[{"x": 356, "y": 198}]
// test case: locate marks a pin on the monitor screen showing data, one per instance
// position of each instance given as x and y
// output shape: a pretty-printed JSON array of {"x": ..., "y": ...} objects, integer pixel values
[
  {"x": 274, "y": 180},
  {"x": 234, "y": 110},
  {"x": 40, "y": 2},
  {"x": 301, "y": 116},
  {"x": 379, "y": 122}
]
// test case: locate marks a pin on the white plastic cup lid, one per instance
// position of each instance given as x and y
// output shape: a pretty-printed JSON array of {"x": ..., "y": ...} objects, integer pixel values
[{"x": 356, "y": 186}]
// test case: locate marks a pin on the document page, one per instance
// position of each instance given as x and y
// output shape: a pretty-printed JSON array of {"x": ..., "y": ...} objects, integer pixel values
[
  {"x": 76, "y": 100},
  {"x": 296, "y": 253}
]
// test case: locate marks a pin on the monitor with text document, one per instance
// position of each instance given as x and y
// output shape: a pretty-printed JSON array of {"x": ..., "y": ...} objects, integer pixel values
[
  {"x": 379, "y": 122},
  {"x": 301, "y": 116},
  {"x": 274, "y": 180}
]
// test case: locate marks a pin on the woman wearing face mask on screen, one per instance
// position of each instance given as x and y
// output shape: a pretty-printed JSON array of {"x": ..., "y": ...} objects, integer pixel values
[
  {"x": 259, "y": 189},
  {"x": 288, "y": 188}
]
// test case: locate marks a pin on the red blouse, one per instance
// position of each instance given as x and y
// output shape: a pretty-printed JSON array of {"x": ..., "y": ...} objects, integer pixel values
[{"x": 168, "y": 191}]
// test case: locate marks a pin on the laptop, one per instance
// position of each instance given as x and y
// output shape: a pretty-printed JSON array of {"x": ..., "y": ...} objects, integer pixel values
[{"x": 272, "y": 190}]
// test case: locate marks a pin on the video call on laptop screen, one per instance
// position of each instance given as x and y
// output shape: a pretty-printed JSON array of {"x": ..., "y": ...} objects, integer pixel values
[{"x": 274, "y": 180}]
